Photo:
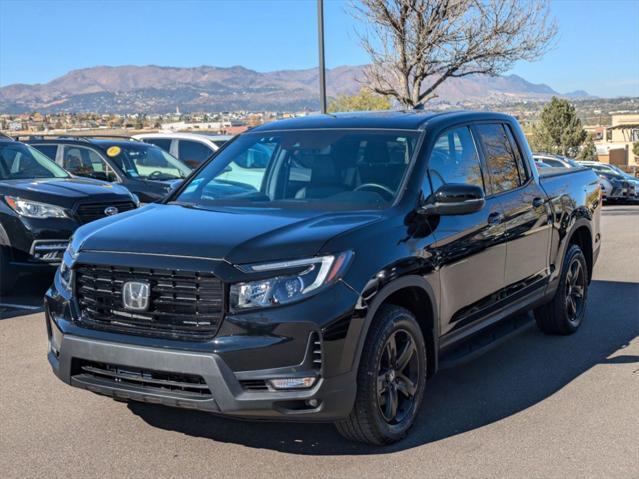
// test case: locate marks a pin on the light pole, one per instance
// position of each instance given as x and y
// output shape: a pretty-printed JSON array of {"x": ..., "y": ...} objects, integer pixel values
[{"x": 322, "y": 69}]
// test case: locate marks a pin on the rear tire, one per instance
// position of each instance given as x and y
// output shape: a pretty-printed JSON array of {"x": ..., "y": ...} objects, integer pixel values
[
  {"x": 7, "y": 274},
  {"x": 390, "y": 379},
  {"x": 565, "y": 312}
]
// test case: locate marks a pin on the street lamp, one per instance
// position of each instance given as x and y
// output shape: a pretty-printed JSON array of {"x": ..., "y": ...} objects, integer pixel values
[{"x": 322, "y": 69}]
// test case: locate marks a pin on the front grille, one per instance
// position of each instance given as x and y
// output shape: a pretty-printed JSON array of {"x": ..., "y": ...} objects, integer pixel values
[
  {"x": 182, "y": 305},
  {"x": 94, "y": 211},
  {"x": 176, "y": 384}
]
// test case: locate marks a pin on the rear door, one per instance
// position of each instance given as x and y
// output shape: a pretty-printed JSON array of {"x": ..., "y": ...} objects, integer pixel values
[
  {"x": 471, "y": 248},
  {"x": 526, "y": 221}
]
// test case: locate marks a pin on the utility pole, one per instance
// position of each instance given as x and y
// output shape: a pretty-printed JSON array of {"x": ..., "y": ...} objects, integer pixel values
[{"x": 322, "y": 69}]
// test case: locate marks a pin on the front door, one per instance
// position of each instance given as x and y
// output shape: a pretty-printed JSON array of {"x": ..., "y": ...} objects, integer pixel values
[{"x": 470, "y": 250}]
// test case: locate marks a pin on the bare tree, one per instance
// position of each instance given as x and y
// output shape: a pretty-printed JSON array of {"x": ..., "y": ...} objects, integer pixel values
[{"x": 416, "y": 45}]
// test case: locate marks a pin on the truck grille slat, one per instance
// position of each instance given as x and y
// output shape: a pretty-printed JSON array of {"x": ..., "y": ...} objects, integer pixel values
[
  {"x": 191, "y": 311},
  {"x": 173, "y": 383}
]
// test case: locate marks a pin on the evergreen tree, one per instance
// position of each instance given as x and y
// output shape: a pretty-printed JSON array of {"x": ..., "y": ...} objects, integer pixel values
[
  {"x": 588, "y": 150},
  {"x": 559, "y": 129}
]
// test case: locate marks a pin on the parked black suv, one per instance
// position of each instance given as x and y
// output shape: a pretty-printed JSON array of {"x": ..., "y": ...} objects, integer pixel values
[
  {"x": 144, "y": 169},
  {"x": 374, "y": 247},
  {"x": 41, "y": 205}
]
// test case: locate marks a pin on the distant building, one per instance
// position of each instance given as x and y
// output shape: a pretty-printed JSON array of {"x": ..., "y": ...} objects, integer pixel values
[{"x": 614, "y": 143}]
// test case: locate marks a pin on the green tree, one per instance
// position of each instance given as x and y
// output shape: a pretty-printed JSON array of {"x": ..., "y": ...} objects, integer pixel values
[
  {"x": 365, "y": 100},
  {"x": 559, "y": 130},
  {"x": 635, "y": 148},
  {"x": 588, "y": 150}
]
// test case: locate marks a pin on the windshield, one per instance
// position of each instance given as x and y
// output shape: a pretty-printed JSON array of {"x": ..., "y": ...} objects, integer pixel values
[
  {"x": 19, "y": 161},
  {"x": 140, "y": 160},
  {"x": 314, "y": 169}
]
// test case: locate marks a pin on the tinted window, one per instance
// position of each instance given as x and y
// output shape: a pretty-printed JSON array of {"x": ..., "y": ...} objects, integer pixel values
[
  {"x": 19, "y": 161},
  {"x": 500, "y": 157},
  {"x": 553, "y": 163},
  {"x": 193, "y": 152},
  {"x": 49, "y": 150},
  {"x": 82, "y": 161},
  {"x": 332, "y": 169},
  {"x": 454, "y": 159},
  {"x": 164, "y": 143},
  {"x": 140, "y": 160}
]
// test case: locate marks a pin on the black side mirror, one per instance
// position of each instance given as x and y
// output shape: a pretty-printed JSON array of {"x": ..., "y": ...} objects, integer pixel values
[{"x": 454, "y": 199}]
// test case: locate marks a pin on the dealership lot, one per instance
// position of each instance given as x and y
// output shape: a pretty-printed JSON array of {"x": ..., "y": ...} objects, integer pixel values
[{"x": 536, "y": 406}]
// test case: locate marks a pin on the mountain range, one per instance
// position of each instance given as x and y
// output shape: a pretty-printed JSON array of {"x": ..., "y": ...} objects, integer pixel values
[{"x": 158, "y": 89}]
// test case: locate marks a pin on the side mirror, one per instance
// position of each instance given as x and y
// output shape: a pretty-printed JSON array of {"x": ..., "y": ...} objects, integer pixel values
[{"x": 454, "y": 199}]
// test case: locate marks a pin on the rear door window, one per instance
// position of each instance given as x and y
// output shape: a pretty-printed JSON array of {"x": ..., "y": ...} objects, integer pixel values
[
  {"x": 500, "y": 157},
  {"x": 49, "y": 150},
  {"x": 193, "y": 152},
  {"x": 81, "y": 161},
  {"x": 164, "y": 143}
]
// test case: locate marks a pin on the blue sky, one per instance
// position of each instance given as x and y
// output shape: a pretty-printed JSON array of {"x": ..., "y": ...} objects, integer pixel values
[{"x": 597, "y": 49}]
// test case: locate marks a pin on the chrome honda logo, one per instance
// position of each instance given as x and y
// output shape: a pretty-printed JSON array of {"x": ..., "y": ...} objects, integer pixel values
[
  {"x": 135, "y": 295},
  {"x": 111, "y": 210}
]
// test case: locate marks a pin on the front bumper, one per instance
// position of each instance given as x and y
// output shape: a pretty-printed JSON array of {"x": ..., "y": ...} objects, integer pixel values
[{"x": 229, "y": 385}]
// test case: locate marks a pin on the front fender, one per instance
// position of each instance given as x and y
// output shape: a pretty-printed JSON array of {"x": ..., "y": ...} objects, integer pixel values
[{"x": 369, "y": 303}]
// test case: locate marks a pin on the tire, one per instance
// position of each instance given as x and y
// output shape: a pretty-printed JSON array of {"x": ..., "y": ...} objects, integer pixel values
[
  {"x": 7, "y": 274},
  {"x": 382, "y": 381},
  {"x": 565, "y": 312}
]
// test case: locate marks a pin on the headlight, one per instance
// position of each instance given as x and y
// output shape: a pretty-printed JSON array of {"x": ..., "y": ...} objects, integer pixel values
[
  {"x": 34, "y": 209},
  {"x": 65, "y": 271},
  {"x": 315, "y": 273}
]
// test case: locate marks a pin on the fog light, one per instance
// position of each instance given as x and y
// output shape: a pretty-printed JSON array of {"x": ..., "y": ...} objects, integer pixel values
[{"x": 292, "y": 383}]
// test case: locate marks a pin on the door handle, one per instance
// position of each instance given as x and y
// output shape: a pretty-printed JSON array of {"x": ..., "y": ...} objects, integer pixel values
[
  {"x": 537, "y": 202},
  {"x": 495, "y": 218}
]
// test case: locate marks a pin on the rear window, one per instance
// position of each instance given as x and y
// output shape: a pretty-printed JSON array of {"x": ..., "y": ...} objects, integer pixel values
[{"x": 500, "y": 157}]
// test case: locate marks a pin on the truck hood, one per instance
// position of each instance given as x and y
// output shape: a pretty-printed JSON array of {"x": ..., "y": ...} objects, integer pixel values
[
  {"x": 63, "y": 191},
  {"x": 239, "y": 235}
]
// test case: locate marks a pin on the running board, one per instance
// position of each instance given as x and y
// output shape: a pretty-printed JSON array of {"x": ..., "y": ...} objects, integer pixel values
[{"x": 484, "y": 340}]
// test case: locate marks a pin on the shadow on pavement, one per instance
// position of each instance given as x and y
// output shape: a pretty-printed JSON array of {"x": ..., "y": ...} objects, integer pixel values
[
  {"x": 26, "y": 297},
  {"x": 506, "y": 380}
]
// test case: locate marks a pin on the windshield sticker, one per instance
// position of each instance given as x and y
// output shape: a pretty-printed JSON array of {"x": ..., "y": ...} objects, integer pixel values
[{"x": 113, "y": 151}]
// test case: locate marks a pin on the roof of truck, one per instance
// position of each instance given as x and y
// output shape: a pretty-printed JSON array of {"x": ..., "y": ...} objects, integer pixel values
[{"x": 400, "y": 120}]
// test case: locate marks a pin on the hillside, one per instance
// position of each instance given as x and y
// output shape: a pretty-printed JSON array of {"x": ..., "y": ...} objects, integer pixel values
[{"x": 156, "y": 89}]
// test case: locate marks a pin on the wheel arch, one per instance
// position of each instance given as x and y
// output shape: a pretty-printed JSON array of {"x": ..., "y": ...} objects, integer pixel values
[
  {"x": 418, "y": 296},
  {"x": 581, "y": 236}
]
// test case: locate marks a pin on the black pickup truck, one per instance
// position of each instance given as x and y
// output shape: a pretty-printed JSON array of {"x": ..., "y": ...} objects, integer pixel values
[{"x": 376, "y": 247}]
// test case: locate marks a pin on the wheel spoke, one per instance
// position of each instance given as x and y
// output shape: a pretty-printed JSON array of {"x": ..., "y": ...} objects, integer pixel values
[
  {"x": 390, "y": 409},
  {"x": 407, "y": 387},
  {"x": 381, "y": 383},
  {"x": 406, "y": 355},
  {"x": 578, "y": 291},
  {"x": 572, "y": 309},
  {"x": 575, "y": 273},
  {"x": 391, "y": 347}
]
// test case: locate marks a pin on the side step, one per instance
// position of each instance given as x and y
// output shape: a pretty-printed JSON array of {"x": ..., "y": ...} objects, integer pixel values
[{"x": 485, "y": 340}]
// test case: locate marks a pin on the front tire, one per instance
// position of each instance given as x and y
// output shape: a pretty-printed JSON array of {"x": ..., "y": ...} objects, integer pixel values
[
  {"x": 565, "y": 312},
  {"x": 390, "y": 379}
]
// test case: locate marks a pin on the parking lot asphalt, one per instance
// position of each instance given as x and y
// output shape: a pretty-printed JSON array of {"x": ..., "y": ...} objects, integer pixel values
[{"x": 537, "y": 406}]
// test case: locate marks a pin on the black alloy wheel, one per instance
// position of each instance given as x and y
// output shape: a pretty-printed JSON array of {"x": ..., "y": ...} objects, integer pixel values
[
  {"x": 575, "y": 288},
  {"x": 397, "y": 376}
]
